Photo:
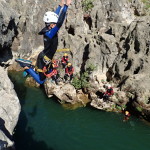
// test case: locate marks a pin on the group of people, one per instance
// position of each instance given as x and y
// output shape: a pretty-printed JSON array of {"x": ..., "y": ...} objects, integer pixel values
[{"x": 53, "y": 72}]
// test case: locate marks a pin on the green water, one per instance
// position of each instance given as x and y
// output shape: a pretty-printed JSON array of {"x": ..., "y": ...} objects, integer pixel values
[{"x": 45, "y": 125}]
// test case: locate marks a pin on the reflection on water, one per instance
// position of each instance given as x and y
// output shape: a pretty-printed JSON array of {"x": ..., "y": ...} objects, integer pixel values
[{"x": 45, "y": 125}]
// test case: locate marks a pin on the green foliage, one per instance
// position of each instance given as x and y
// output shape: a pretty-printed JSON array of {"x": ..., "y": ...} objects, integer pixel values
[
  {"x": 91, "y": 68},
  {"x": 139, "y": 109},
  {"x": 87, "y": 5},
  {"x": 118, "y": 107},
  {"x": 146, "y": 3},
  {"x": 81, "y": 82}
]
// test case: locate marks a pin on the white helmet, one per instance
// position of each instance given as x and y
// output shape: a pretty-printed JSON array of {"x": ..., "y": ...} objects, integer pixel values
[
  {"x": 50, "y": 17},
  {"x": 108, "y": 86}
]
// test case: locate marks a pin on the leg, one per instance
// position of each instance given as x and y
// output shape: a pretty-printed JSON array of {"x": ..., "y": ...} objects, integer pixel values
[
  {"x": 71, "y": 76},
  {"x": 55, "y": 79},
  {"x": 40, "y": 64},
  {"x": 66, "y": 77}
]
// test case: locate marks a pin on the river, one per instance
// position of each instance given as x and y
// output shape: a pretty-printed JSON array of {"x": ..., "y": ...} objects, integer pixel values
[{"x": 45, "y": 125}]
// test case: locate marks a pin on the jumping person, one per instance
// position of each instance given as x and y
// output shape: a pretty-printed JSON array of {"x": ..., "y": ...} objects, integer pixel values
[{"x": 53, "y": 22}]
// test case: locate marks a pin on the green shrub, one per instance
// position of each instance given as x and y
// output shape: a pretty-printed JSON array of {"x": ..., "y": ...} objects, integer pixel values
[
  {"x": 81, "y": 82},
  {"x": 139, "y": 109},
  {"x": 146, "y": 3},
  {"x": 87, "y": 5}
]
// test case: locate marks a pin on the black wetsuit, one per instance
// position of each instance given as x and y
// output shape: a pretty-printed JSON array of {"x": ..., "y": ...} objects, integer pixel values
[{"x": 50, "y": 40}]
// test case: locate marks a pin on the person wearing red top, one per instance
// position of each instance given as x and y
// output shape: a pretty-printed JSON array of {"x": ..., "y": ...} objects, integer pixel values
[
  {"x": 64, "y": 60},
  {"x": 54, "y": 74},
  {"x": 69, "y": 72},
  {"x": 109, "y": 92}
]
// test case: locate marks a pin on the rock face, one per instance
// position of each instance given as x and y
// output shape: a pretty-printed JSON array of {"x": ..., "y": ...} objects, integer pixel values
[
  {"x": 9, "y": 110},
  {"x": 113, "y": 36},
  {"x": 9, "y": 103},
  {"x": 66, "y": 93},
  {"x": 8, "y": 30}
]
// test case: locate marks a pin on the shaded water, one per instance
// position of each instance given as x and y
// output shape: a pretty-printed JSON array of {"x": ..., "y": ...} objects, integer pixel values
[{"x": 45, "y": 125}]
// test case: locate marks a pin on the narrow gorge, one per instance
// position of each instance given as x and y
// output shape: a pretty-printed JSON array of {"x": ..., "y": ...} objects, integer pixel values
[{"x": 108, "y": 39}]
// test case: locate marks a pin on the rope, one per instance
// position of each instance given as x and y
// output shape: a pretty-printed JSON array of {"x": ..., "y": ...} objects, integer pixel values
[{"x": 65, "y": 49}]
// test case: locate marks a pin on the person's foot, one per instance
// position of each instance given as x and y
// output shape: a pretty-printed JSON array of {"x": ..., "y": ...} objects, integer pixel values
[{"x": 24, "y": 63}]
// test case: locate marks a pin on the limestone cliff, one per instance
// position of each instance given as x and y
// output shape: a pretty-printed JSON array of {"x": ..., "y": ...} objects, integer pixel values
[
  {"x": 9, "y": 103},
  {"x": 112, "y": 35},
  {"x": 9, "y": 110}
]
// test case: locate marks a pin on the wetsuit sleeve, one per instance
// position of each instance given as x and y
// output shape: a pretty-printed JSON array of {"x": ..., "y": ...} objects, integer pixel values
[
  {"x": 51, "y": 33},
  {"x": 62, "y": 16},
  {"x": 57, "y": 11}
]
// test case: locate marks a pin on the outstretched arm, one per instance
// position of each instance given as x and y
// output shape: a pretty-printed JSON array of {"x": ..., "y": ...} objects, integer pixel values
[
  {"x": 57, "y": 11},
  {"x": 68, "y": 2},
  {"x": 61, "y": 19}
]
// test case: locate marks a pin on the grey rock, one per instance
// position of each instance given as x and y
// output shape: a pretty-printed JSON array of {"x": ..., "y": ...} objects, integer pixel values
[
  {"x": 8, "y": 30},
  {"x": 9, "y": 108},
  {"x": 64, "y": 92}
]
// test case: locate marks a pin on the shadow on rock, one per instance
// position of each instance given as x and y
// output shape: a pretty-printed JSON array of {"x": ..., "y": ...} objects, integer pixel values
[{"x": 3, "y": 128}]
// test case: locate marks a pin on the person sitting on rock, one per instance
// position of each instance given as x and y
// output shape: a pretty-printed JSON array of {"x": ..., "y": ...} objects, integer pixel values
[
  {"x": 69, "y": 72},
  {"x": 109, "y": 92},
  {"x": 53, "y": 72},
  {"x": 64, "y": 60}
]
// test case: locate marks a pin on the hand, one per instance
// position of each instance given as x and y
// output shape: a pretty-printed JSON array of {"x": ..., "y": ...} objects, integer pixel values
[
  {"x": 25, "y": 67},
  {"x": 44, "y": 69},
  {"x": 62, "y": 2},
  {"x": 68, "y": 2}
]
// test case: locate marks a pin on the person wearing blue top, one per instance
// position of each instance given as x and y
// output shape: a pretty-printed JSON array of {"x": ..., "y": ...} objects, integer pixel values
[{"x": 53, "y": 22}]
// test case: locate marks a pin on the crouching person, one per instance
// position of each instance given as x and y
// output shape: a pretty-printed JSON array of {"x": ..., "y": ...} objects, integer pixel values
[
  {"x": 109, "y": 92},
  {"x": 69, "y": 72}
]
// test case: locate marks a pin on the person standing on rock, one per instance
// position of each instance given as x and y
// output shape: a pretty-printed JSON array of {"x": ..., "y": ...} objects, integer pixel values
[
  {"x": 53, "y": 22},
  {"x": 69, "y": 72},
  {"x": 64, "y": 60}
]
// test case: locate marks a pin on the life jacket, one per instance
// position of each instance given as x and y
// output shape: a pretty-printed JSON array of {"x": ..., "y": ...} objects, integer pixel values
[
  {"x": 52, "y": 73},
  {"x": 69, "y": 70},
  {"x": 55, "y": 64},
  {"x": 64, "y": 60},
  {"x": 49, "y": 72}
]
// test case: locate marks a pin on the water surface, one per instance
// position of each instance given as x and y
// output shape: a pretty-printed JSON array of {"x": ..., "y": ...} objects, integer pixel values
[{"x": 45, "y": 125}]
